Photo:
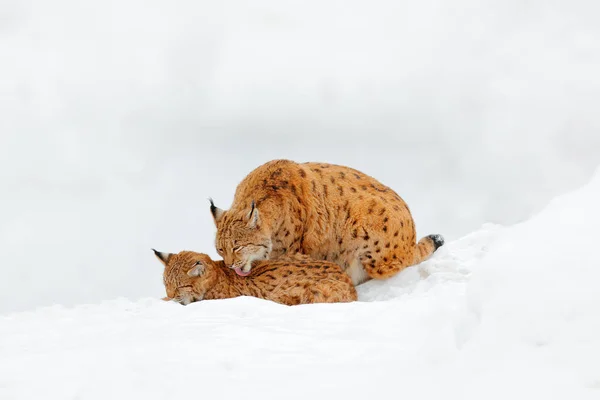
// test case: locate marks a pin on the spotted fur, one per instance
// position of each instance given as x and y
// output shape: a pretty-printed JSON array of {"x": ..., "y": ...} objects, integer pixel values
[
  {"x": 326, "y": 211},
  {"x": 190, "y": 276}
]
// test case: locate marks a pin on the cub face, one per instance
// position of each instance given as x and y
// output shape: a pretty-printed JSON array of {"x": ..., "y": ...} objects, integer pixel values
[
  {"x": 187, "y": 276},
  {"x": 241, "y": 238}
]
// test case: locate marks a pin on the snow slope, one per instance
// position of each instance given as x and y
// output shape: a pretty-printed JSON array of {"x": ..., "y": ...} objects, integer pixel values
[
  {"x": 119, "y": 118},
  {"x": 506, "y": 312}
]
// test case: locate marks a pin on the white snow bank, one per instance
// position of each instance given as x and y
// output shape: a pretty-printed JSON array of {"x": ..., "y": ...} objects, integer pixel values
[
  {"x": 502, "y": 313},
  {"x": 537, "y": 302},
  {"x": 119, "y": 118}
]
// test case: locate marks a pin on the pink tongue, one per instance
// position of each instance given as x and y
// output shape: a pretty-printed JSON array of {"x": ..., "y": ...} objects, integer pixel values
[{"x": 241, "y": 273}]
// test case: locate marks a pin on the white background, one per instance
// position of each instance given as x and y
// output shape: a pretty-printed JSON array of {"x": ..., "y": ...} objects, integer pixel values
[{"x": 118, "y": 119}]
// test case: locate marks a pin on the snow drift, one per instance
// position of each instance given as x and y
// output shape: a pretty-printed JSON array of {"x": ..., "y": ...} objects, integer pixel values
[
  {"x": 119, "y": 118},
  {"x": 501, "y": 313}
]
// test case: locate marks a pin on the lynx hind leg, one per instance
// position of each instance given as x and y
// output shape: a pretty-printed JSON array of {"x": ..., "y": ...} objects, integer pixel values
[
  {"x": 387, "y": 260},
  {"x": 383, "y": 268},
  {"x": 380, "y": 266},
  {"x": 427, "y": 246}
]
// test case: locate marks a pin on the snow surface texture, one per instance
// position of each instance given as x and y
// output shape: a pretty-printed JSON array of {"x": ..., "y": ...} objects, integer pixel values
[
  {"x": 503, "y": 313},
  {"x": 119, "y": 118}
]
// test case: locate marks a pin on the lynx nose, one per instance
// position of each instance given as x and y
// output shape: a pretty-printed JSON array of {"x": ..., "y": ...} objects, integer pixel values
[{"x": 228, "y": 262}]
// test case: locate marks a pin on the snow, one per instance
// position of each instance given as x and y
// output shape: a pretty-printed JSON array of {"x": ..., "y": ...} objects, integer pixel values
[
  {"x": 504, "y": 312},
  {"x": 119, "y": 118}
]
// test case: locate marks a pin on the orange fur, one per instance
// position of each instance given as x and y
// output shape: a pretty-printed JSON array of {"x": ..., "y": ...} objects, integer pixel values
[
  {"x": 190, "y": 277},
  {"x": 326, "y": 211}
]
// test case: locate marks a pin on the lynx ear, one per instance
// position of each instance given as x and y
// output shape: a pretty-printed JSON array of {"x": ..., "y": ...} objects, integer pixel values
[
  {"x": 253, "y": 216},
  {"x": 216, "y": 212},
  {"x": 197, "y": 269},
  {"x": 163, "y": 257}
]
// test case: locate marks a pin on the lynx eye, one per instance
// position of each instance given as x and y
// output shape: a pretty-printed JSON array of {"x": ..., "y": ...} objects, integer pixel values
[
  {"x": 237, "y": 248},
  {"x": 220, "y": 251},
  {"x": 198, "y": 263}
]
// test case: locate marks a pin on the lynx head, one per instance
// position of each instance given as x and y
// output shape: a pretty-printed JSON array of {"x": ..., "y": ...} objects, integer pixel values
[
  {"x": 241, "y": 237},
  {"x": 187, "y": 275}
]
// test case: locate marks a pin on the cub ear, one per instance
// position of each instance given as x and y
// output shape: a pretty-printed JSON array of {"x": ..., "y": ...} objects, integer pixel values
[
  {"x": 163, "y": 257},
  {"x": 216, "y": 212},
  {"x": 253, "y": 216},
  {"x": 197, "y": 270}
]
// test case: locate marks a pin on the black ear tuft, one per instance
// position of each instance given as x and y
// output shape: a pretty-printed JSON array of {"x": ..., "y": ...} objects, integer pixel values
[
  {"x": 216, "y": 212},
  {"x": 163, "y": 257},
  {"x": 213, "y": 208},
  {"x": 253, "y": 215}
]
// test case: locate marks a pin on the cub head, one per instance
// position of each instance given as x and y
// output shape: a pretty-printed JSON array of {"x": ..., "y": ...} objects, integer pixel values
[
  {"x": 187, "y": 275},
  {"x": 241, "y": 237}
]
